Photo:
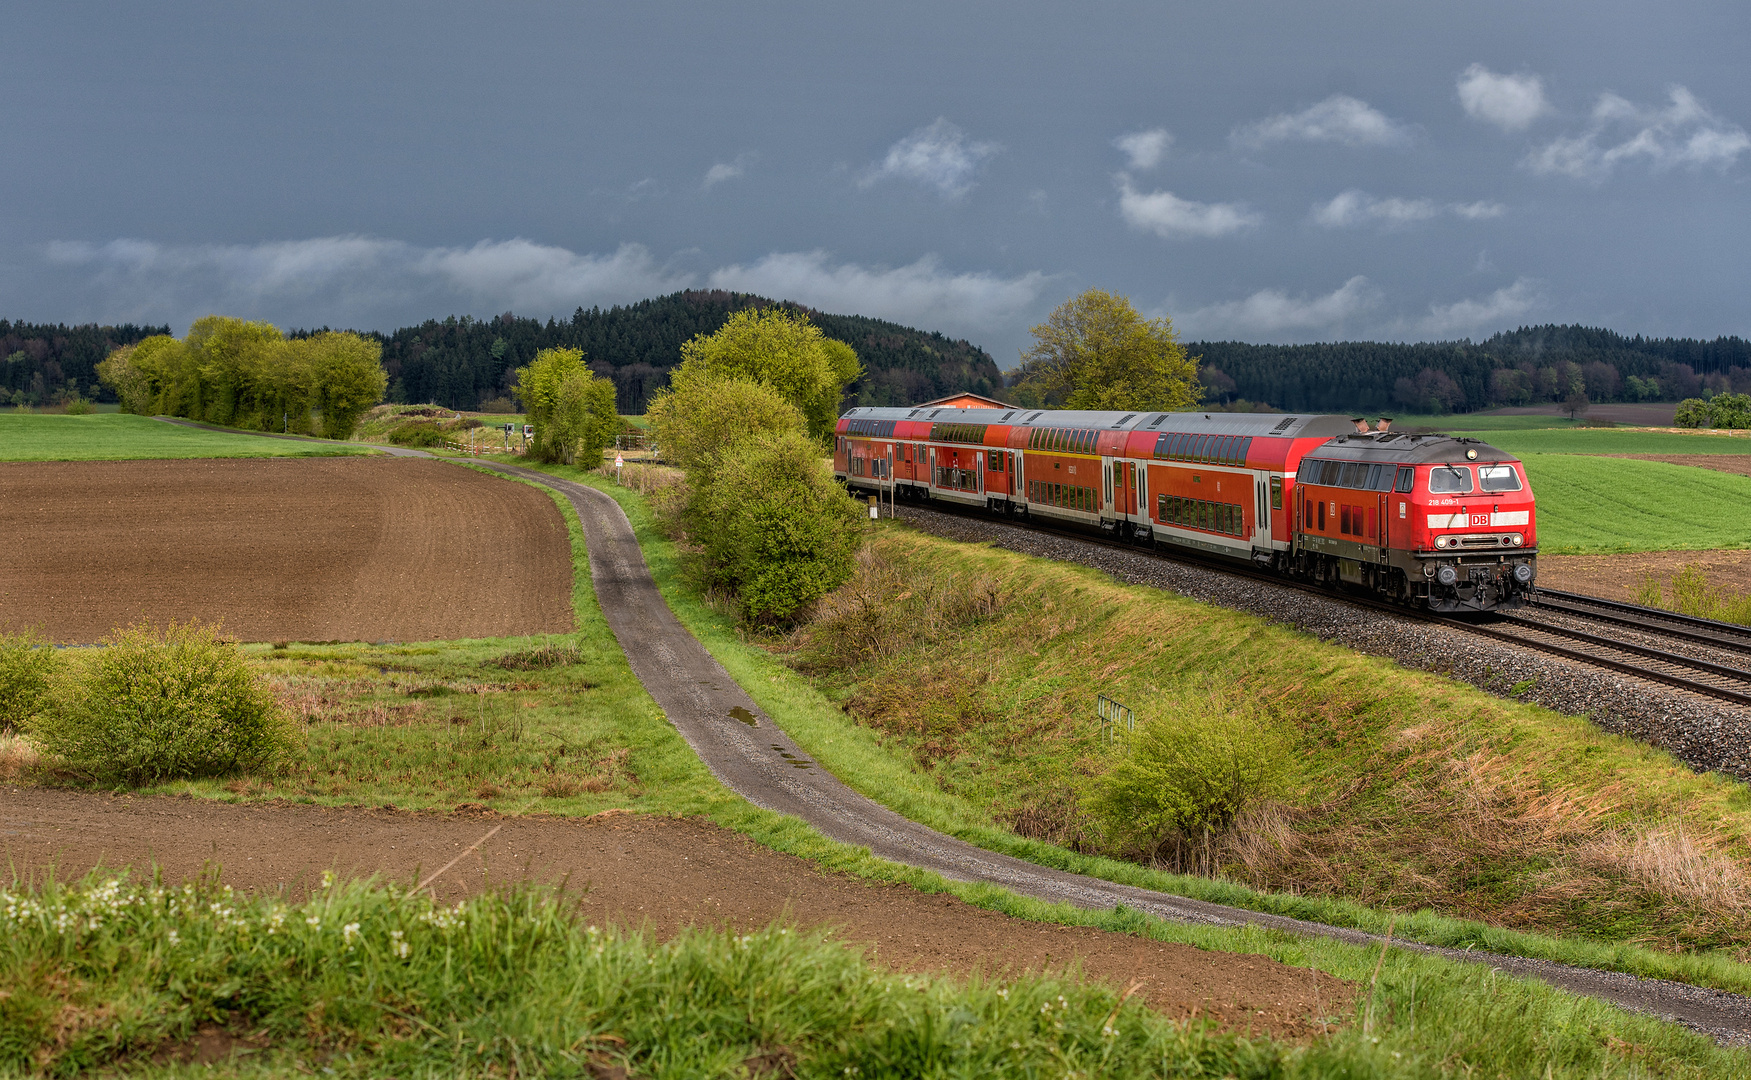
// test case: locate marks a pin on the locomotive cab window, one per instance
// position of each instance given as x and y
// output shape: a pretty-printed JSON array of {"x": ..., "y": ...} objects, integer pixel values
[
  {"x": 1407, "y": 480},
  {"x": 1450, "y": 480},
  {"x": 1498, "y": 478}
]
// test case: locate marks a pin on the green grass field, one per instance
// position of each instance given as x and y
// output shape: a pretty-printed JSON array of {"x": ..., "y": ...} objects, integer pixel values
[
  {"x": 1469, "y": 422},
  {"x": 1614, "y": 441},
  {"x": 119, "y": 436},
  {"x": 1592, "y": 505}
]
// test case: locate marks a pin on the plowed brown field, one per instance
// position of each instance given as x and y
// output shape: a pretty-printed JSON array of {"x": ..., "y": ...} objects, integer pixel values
[
  {"x": 331, "y": 549},
  {"x": 655, "y": 872}
]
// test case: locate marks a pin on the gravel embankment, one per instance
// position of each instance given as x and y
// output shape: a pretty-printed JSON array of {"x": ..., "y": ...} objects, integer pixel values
[{"x": 1704, "y": 733}]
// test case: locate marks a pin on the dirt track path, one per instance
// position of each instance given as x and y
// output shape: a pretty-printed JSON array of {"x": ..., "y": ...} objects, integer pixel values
[
  {"x": 660, "y": 873},
  {"x": 759, "y": 762}
]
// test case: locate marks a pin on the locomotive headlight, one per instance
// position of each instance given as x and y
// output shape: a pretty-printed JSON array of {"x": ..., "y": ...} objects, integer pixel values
[
  {"x": 1518, "y": 539},
  {"x": 1446, "y": 575},
  {"x": 1443, "y": 541},
  {"x": 1523, "y": 573}
]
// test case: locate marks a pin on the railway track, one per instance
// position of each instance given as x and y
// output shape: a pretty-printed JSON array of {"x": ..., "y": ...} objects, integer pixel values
[{"x": 1647, "y": 643}]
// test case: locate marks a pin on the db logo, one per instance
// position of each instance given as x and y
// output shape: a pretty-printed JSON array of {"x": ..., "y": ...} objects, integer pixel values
[{"x": 1480, "y": 519}]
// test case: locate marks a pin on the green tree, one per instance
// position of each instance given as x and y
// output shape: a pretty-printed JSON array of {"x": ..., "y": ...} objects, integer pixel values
[
  {"x": 1730, "y": 411},
  {"x": 1691, "y": 413},
  {"x": 346, "y": 378},
  {"x": 782, "y": 531},
  {"x": 1096, "y": 352},
  {"x": 700, "y": 415},
  {"x": 571, "y": 409},
  {"x": 780, "y": 349}
]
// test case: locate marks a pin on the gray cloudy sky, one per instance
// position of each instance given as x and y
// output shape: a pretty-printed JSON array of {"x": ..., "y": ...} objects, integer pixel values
[{"x": 1278, "y": 171}]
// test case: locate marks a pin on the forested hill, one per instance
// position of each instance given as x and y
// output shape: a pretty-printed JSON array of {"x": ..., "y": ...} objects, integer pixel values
[
  {"x": 461, "y": 362},
  {"x": 1539, "y": 363},
  {"x": 42, "y": 363}
]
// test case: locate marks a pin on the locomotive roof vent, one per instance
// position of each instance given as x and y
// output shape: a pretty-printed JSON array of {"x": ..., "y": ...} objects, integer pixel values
[
  {"x": 1122, "y": 420},
  {"x": 1006, "y": 415},
  {"x": 1284, "y": 423}
]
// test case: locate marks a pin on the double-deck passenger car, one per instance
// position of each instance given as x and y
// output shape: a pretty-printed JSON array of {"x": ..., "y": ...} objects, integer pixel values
[{"x": 1427, "y": 519}]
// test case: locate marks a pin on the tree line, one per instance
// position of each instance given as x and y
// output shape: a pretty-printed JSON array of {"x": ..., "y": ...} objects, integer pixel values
[
  {"x": 464, "y": 363},
  {"x": 1574, "y": 365},
  {"x": 248, "y": 375},
  {"x": 49, "y": 363}
]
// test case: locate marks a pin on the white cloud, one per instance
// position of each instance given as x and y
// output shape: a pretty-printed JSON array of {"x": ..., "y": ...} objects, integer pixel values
[
  {"x": 1145, "y": 148},
  {"x": 727, "y": 170},
  {"x": 919, "y": 294},
  {"x": 355, "y": 280},
  {"x": 1339, "y": 118},
  {"x": 938, "y": 155},
  {"x": 1273, "y": 311},
  {"x": 1511, "y": 102},
  {"x": 1171, "y": 217},
  {"x": 1354, "y": 207},
  {"x": 1683, "y": 133},
  {"x": 1467, "y": 317},
  {"x": 342, "y": 279}
]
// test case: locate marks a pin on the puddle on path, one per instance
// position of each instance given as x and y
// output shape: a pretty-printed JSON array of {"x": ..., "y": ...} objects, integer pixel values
[
  {"x": 795, "y": 762},
  {"x": 746, "y": 717}
]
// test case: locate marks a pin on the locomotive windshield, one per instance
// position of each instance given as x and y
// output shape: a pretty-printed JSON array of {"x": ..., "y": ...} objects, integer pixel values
[
  {"x": 1498, "y": 478},
  {"x": 1450, "y": 480}
]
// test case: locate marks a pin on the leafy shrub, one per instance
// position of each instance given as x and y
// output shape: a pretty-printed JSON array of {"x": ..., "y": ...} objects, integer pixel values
[
  {"x": 156, "y": 705},
  {"x": 887, "y": 600},
  {"x": 1691, "y": 413},
  {"x": 27, "y": 663},
  {"x": 419, "y": 433},
  {"x": 1186, "y": 776},
  {"x": 78, "y": 407},
  {"x": 782, "y": 533}
]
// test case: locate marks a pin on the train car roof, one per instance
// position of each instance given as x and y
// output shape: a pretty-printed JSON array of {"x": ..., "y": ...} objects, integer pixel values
[
  {"x": 1278, "y": 425},
  {"x": 1406, "y": 449}
]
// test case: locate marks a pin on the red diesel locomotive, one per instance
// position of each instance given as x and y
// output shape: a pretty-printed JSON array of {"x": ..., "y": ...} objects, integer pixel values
[{"x": 1430, "y": 520}]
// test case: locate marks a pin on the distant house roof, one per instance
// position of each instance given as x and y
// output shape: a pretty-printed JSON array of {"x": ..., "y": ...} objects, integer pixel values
[{"x": 964, "y": 401}]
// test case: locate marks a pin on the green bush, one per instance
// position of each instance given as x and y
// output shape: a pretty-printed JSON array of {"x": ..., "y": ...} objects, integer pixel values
[
  {"x": 27, "y": 663},
  {"x": 776, "y": 528},
  {"x": 1691, "y": 413},
  {"x": 419, "y": 433},
  {"x": 1187, "y": 776},
  {"x": 157, "y": 705}
]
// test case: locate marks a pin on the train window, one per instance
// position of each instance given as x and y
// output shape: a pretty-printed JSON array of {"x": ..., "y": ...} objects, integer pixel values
[
  {"x": 1276, "y": 493},
  {"x": 1407, "y": 479},
  {"x": 1498, "y": 478},
  {"x": 1449, "y": 480},
  {"x": 1219, "y": 450},
  {"x": 1374, "y": 478},
  {"x": 1161, "y": 508},
  {"x": 1230, "y": 448},
  {"x": 1245, "y": 448},
  {"x": 1322, "y": 513}
]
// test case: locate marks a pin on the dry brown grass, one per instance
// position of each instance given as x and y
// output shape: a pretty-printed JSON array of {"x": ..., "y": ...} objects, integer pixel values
[
  {"x": 1410, "y": 790},
  {"x": 17, "y": 757}
]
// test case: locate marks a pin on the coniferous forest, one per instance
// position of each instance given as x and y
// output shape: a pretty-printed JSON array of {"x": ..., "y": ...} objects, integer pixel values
[
  {"x": 465, "y": 363},
  {"x": 1574, "y": 365}
]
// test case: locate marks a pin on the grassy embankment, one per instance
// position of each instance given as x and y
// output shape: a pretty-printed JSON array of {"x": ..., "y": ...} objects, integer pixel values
[
  {"x": 446, "y": 724},
  {"x": 119, "y": 436}
]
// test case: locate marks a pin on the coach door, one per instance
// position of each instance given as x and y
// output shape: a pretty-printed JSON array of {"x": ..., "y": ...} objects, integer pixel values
[
  {"x": 979, "y": 468},
  {"x": 1385, "y": 524}
]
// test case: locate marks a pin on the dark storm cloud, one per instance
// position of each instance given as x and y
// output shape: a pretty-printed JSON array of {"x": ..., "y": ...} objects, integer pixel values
[{"x": 1270, "y": 172}]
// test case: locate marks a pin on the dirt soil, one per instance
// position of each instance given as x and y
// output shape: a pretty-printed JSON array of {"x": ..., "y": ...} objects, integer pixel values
[
  {"x": 343, "y": 549},
  {"x": 1738, "y": 464},
  {"x": 664, "y": 873},
  {"x": 1619, "y": 577}
]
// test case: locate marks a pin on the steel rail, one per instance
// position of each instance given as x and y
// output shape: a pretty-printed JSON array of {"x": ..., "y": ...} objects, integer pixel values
[
  {"x": 1639, "y": 650},
  {"x": 1726, "y": 635},
  {"x": 1193, "y": 559}
]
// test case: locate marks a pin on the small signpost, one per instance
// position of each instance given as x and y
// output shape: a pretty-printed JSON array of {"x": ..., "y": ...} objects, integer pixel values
[
  {"x": 619, "y": 462},
  {"x": 1113, "y": 716}
]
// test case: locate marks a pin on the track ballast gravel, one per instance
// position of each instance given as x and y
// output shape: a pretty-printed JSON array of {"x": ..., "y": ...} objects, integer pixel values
[
  {"x": 1704, "y": 733},
  {"x": 761, "y": 763}
]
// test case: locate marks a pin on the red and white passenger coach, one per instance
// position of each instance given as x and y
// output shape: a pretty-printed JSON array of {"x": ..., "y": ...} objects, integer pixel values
[{"x": 1431, "y": 520}]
